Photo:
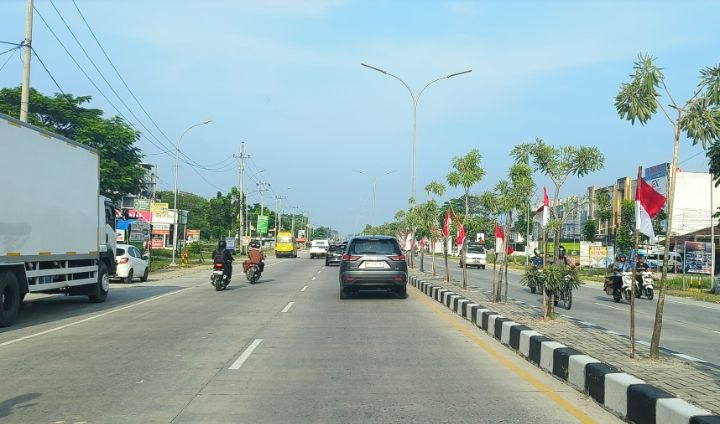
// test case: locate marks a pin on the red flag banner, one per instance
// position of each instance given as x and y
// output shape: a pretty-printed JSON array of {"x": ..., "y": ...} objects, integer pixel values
[{"x": 446, "y": 224}]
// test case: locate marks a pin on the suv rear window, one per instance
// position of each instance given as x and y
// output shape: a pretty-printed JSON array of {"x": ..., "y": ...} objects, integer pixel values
[
  {"x": 476, "y": 248},
  {"x": 375, "y": 247}
]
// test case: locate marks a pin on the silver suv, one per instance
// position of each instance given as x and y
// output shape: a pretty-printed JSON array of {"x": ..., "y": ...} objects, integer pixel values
[{"x": 373, "y": 263}]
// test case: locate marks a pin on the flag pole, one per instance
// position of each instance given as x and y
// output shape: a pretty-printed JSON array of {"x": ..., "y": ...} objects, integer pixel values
[
  {"x": 634, "y": 271},
  {"x": 542, "y": 288},
  {"x": 494, "y": 289}
]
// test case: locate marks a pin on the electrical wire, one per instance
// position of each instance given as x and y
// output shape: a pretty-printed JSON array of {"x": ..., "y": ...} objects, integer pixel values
[
  {"x": 48, "y": 71},
  {"x": 10, "y": 56}
]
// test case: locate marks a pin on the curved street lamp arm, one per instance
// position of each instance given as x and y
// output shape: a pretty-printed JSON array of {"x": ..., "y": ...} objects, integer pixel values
[
  {"x": 438, "y": 79},
  {"x": 412, "y": 95}
]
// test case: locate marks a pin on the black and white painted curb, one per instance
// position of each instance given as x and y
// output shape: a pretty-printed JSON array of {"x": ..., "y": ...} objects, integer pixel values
[{"x": 625, "y": 395}]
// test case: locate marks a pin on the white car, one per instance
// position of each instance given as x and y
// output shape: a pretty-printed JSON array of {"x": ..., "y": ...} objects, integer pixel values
[
  {"x": 131, "y": 263},
  {"x": 476, "y": 256},
  {"x": 319, "y": 248}
]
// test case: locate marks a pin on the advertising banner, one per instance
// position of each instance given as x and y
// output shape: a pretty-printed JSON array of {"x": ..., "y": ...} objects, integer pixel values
[
  {"x": 597, "y": 256},
  {"x": 139, "y": 231},
  {"x": 120, "y": 236},
  {"x": 585, "y": 258},
  {"x": 157, "y": 242},
  {"x": 161, "y": 229},
  {"x": 193, "y": 235},
  {"x": 230, "y": 244},
  {"x": 159, "y": 210},
  {"x": 698, "y": 257},
  {"x": 262, "y": 224},
  {"x": 142, "y": 204}
]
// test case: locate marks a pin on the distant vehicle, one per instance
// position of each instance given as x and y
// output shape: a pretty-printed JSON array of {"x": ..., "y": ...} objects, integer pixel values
[
  {"x": 131, "y": 263},
  {"x": 655, "y": 261},
  {"x": 285, "y": 245},
  {"x": 319, "y": 248},
  {"x": 335, "y": 253},
  {"x": 56, "y": 234},
  {"x": 373, "y": 263},
  {"x": 476, "y": 256}
]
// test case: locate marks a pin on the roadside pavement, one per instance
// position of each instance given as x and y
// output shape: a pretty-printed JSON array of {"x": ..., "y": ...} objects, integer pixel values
[{"x": 697, "y": 383}]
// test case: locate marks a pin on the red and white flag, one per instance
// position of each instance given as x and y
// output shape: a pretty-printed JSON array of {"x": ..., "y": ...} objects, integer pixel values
[
  {"x": 446, "y": 224},
  {"x": 648, "y": 203},
  {"x": 499, "y": 239},
  {"x": 543, "y": 213},
  {"x": 461, "y": 234}
]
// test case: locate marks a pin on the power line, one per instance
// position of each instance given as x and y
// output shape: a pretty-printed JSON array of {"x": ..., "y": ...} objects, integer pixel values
[
  {"x": 10, "y": 56},
  {"x": 47, "y": 70}
]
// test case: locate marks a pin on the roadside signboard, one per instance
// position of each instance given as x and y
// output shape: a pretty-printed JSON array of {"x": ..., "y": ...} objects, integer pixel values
[
  {"x": 159, "y": 210},
  {"x": 698, "y": 257},
  {"x": 262, "y": 224},
  {"x": 597, "y": 256},
  {"x": 161, "y": 229},
  {"x": 139, "y": 231},
  {"x": 142, "y": 204},
  {"x": 157, "y": 241},
  {"x": 246, "y": 241},
  {"x": 120, "y": 236},
  {"x": 193, "y": 235},
  {"x": 230, "y": 243}
]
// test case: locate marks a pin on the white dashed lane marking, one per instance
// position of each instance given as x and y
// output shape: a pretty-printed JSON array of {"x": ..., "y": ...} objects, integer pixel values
[
  {"x": 287, "y": 308},
  {"x": 304, "y": 288},
  {"x": 245, "y": 355}
]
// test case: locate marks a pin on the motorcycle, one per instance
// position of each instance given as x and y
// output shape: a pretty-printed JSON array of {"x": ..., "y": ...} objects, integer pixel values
[
  {"x": 218, "y": 278},
  {"x": 627, "y": 282},
  {"x": 253, "y": 273},
  {"x": 647, "y": 284},
  {"x": 613, "y": 286}
]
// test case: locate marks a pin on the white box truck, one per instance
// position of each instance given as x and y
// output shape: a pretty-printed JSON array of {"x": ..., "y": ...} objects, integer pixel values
[{"x": 57, "y": 234}]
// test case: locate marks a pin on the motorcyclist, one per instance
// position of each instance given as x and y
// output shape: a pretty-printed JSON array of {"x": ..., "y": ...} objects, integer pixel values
[
  {"x": 224, "y": 256},
  {"x": 640, "y": 267},
  {"x": 564, "y": 259},
  {"x": 255, "y": 257},
  {"x": 537, "y": 259},
  {"x": 617, "y": 268}
]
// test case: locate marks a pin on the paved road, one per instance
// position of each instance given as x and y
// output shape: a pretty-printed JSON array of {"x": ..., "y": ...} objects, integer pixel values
[
  {"x": 284, "y": 350},
  {"x": 690, "y": 327}
]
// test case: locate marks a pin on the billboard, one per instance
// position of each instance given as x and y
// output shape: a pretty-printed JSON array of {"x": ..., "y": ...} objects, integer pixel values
[
  {"x": 698, "y": 257},
  {"x": 262, "y": 224},
  {"x": 657, "y": 177},
  {"x": 159, "y": 210},
  {"x": 230, "y": 243},
  {"x": 193, "y": 235},
  {"x": 139, "y": 231}
]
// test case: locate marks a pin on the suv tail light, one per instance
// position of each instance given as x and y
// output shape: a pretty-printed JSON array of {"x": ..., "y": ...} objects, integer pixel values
[
  {"x": 397, "y": 258},
  {"x": 123, "y": 261},
  {"x": 348, "y": 258}
]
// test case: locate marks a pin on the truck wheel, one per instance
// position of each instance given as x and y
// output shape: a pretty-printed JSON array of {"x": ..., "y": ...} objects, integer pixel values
[
  {"x": 9, "y": 298},
  {"x": 99, "y": 291}
]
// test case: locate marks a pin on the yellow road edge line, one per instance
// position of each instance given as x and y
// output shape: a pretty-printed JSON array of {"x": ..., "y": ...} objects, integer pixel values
[{"x": 554, "y": 396}]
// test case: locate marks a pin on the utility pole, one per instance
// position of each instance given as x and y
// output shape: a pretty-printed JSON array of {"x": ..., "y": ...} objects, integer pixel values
[
  {"x": 27, "y": 43},
  {"x": 241, "y": 206},
  {"x": 278, "y": 213},
  {"x": 262, "y": 188}
]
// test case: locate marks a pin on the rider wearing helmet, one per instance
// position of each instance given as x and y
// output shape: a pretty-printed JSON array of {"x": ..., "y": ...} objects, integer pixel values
[
  {"x": 255, "y": 257},
  {"x": 223, "y": 256},
  {"x": 537, "y": 259},
  {"x": 564, "y": 259}
]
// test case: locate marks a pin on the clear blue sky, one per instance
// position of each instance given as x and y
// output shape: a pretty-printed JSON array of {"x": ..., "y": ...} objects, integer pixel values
[{"x": 284, "y": 76}]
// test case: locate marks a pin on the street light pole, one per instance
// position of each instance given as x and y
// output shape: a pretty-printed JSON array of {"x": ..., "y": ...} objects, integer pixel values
[
  {"x": 373, "y": 181},
  {"x": 177, "y": 165},
  {"x": 415, "y": 101}
]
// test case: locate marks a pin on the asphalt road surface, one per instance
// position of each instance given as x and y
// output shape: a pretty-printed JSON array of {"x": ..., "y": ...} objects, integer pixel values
[
  {"x": 690, "y": 327},
  {"x": 284, "y": 350}
]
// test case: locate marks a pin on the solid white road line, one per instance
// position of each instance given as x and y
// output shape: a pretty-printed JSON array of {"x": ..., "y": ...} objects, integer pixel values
[
  {"x": 589, "y": 324},
  {"x": 609, "y": 306},
  {"x": 72, "y": 324},
  {"x": 245, "y": 355},
  {"x": 644, "y": 343},
  {"x": 287, "y": 308},
  {"x": 304, "y": 288},
  {"x": 688, "y": 357}
]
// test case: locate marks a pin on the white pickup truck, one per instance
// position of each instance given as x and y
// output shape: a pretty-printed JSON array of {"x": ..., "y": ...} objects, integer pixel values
[
  {"x": 57, "y": 235},
  {"x": 319, "y": 248}
]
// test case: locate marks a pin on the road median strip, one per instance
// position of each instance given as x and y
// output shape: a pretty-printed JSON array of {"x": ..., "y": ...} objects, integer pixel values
[{"x": 626, "y": 396}]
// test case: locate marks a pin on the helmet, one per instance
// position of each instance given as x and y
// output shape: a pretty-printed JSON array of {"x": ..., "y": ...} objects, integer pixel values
[
  {"x": 222, "y": 245},
  {"x": 536, "y": 252},
  {"x": 622, "y": 256},
  {"x": 255, "y": 244},
  {"x": 561, "y": 252}
]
